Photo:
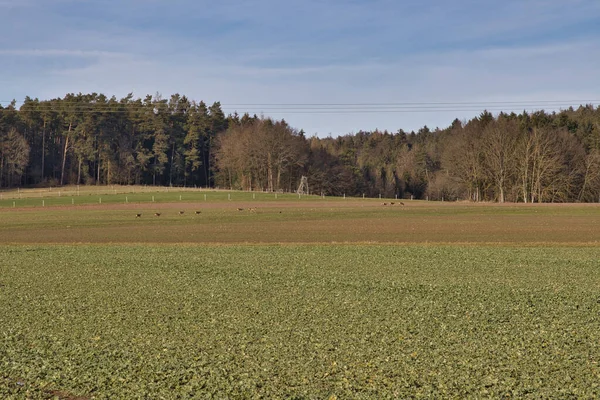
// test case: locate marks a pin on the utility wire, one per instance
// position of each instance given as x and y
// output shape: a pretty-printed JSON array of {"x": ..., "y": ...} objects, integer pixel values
[
  {"x": 345, "y": 105},
  {"x": 313, "y": 111},
  {"x": 414, "y": 103},
  {"x": 323, "y": 108}
]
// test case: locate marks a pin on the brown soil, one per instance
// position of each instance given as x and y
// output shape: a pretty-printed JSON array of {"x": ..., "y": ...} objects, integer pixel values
[{"x": 351, "y": 221}]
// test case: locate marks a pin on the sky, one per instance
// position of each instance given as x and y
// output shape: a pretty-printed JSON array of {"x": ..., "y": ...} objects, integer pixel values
[{"x": 329, "y": 67}]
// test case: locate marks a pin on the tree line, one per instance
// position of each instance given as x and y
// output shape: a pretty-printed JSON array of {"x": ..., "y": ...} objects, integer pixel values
[{"x": 93, "y": 139}]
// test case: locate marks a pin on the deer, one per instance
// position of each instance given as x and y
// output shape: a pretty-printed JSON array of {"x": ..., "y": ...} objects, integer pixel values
[
  {"x": 198, "y": 212},
  {"x": 138, "y": 215},
  {"x": 181, "y": 212},
  {"x": 157, "y": 214}
]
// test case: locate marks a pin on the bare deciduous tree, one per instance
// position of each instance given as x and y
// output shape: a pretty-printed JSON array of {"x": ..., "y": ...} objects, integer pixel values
[
  {"x": 590, "y": 189},
  {"x": 463, "y": 159},
  {"x": 259, "y": 154},
  {"x": 499, "y": 143}
]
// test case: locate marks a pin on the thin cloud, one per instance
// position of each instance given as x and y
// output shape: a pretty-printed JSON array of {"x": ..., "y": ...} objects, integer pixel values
[
  {"x": 59, "y": 52},
  {"x": 14, "y": 3},
  {"x": 309, "y": 51}
]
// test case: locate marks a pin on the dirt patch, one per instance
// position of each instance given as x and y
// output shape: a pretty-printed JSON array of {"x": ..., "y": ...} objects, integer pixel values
[
  {"x": 21, "y": 387},
  {"x": 66, "y": 396}
]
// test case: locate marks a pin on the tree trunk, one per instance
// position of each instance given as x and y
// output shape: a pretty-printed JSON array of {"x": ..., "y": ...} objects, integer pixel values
[
  {"x": 525, "y": 180},
  {"x": 171, "y": 168},
  {"x": 205, "y": 162},
  {"x": 270, "y": 172},
  {"x": 64, "y": 160},
  {"x": 208, "y": 182},
  {"x": 9, "y": 174},
  {"x": 43, "y": 148},
  {"x": 501, "y": 187},
  {"x": 1, "y": 167},
  {"x": 278, "y": 178}
]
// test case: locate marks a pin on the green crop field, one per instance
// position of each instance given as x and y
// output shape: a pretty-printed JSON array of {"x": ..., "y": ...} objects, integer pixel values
[
  {"x": 137, "y": 195},
  {"x": 298, "y": 298}
]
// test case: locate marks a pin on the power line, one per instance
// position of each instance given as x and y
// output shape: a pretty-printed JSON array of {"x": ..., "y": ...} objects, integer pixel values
[
  {"x": 316, "y": 111},
  {"x": 102, "y": 107},
  {"x": 345, "y": 105},
  {"x": 323, "y": 108},
  {"x": 414, "y": 103}
]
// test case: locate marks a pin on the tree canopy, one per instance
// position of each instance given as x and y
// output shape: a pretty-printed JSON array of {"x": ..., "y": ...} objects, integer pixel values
[{"x": 93, "y": 139}]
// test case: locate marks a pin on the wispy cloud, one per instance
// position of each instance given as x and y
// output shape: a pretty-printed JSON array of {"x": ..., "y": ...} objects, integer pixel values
[
  {"x": 59, "y": 53},
  {"x": 14, "y": 3},
  {"x": 306, "y": 51}
]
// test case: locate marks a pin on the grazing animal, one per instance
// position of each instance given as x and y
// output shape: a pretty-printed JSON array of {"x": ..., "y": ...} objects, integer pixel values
[
  {"x": 181, "y": 212},
  {"x": 402, "y": 203},
  {"x": 392, "y": 203},
  {"x": 198, "y": 212},
  {"x": 252, "y": 209},
  {"x": 157, "y": 214},
  {"x": 385, "y": 204},
  {"x": 240, "y": 209},
  {"x": 138, "y": 215}
]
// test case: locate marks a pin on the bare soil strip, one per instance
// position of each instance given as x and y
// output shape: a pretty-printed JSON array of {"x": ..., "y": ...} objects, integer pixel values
[{"x": 352, "y": 221}]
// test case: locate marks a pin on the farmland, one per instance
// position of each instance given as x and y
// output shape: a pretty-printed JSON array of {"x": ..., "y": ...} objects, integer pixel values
[
  {"x": 106, "y": 217},
  {"x": 298, "y": 298}
]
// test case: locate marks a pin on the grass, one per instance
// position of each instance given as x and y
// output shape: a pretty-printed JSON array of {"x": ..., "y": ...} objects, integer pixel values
[
  {"x": 299, "y": 321},
  {"x": 91, "y": 195},
  {"x": 298, "y": 298}
]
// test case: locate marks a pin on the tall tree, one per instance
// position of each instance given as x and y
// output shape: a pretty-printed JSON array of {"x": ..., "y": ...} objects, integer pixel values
[
  {"x": 14, "y": 156},
  {"x": 196, "y": 130},
  {"x": 217, "y": 124}
]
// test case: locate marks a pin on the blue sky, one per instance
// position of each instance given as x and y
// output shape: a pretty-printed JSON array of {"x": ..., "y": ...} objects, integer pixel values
[{"x": 276, "y": 53}]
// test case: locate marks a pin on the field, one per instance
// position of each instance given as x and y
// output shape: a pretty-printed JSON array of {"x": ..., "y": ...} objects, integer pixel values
[
  {"x": 296, "y": 298},
  {"x": 101, "y": 216}
]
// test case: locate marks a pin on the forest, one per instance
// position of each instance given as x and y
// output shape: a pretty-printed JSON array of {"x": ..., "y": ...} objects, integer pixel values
[{"x": 91, "y": 139}]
